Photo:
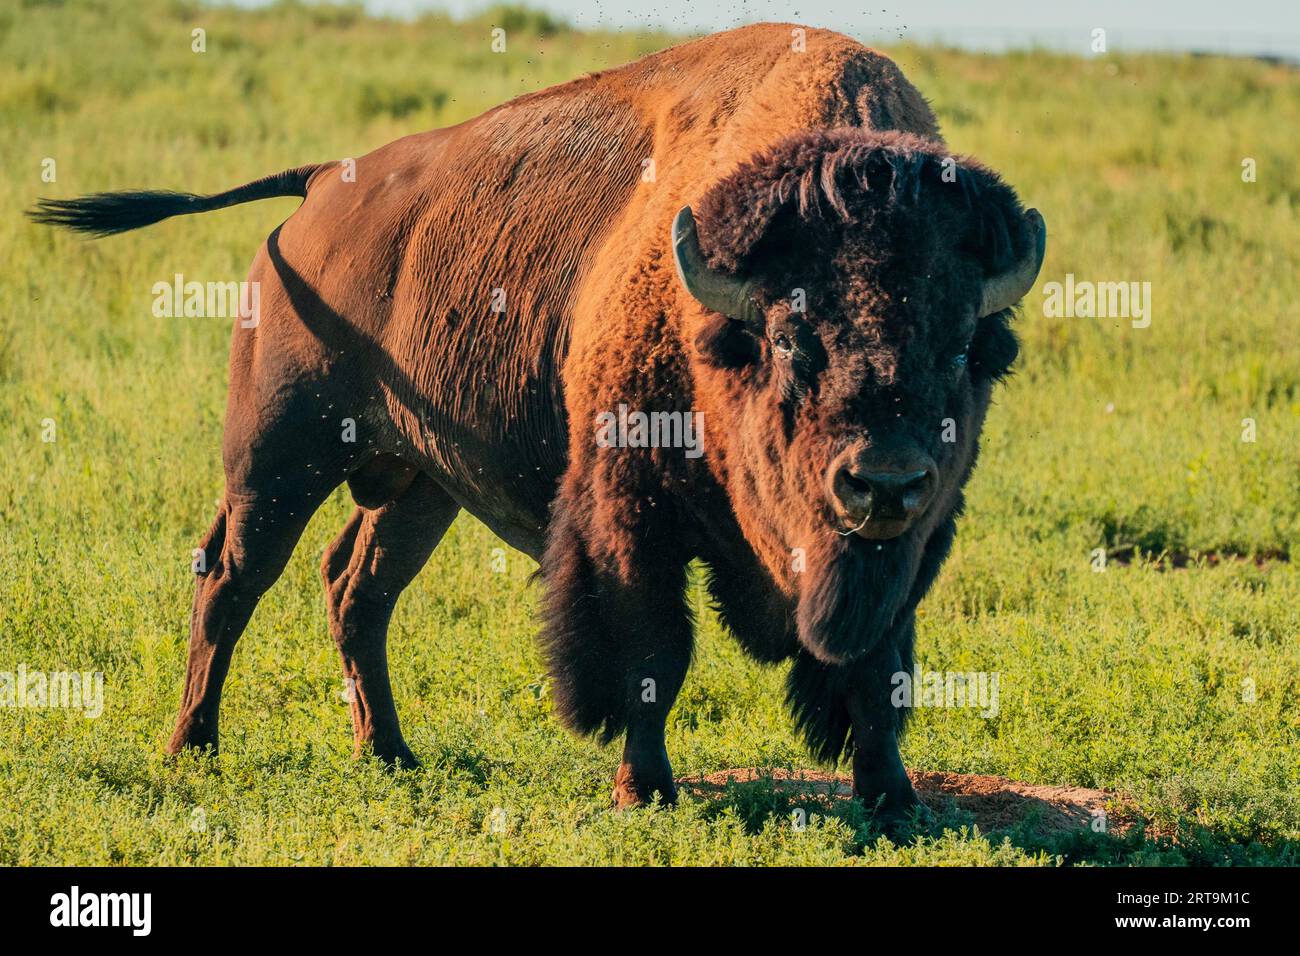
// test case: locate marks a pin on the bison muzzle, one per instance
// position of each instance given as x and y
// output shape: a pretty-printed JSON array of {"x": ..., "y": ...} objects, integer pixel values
[{"x": 770, "y": 240}]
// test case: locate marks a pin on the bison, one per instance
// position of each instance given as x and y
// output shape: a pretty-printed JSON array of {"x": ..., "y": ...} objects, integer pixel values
[{"x": 761, "y": 232}]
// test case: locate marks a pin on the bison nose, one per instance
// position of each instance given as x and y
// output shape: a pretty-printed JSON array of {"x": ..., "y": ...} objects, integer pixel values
[
  {"x": 908, "y": 490},
  {"x": 887, "y": 497}
]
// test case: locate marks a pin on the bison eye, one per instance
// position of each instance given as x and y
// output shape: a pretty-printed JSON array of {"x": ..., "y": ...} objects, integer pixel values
[
  {"x": 784, "y": 347},
  {"x": 960, "y": 359}
]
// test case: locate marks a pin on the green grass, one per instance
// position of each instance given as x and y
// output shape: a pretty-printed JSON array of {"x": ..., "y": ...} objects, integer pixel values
[{"x": 1109, "y": 436}]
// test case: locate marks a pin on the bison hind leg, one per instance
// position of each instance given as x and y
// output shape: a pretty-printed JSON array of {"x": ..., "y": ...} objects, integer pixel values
[
  {"x": 401, "y": 516},
  {"x": 243, "y": 554}
]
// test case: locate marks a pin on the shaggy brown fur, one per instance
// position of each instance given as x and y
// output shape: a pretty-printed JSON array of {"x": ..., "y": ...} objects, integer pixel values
[{"x": 479, "y": 294}]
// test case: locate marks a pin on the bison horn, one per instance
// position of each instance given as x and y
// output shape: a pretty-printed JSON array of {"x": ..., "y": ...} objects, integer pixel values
[
  {"x": 714, "y": 290},
  {"x": 1005, "y": 290}
]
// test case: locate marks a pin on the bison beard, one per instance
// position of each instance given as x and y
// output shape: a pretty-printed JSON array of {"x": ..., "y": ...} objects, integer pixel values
[{"x": 852, "y": 594}]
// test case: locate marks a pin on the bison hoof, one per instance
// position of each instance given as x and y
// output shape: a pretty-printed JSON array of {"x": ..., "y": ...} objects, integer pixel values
[
  {"x": 193, "y": 732},
  {"x": 173, "y": 751},
  {"x": 902, "y": 820},
  {"x": 628, "y": 793},
  {"x": 394, "y": 756}
]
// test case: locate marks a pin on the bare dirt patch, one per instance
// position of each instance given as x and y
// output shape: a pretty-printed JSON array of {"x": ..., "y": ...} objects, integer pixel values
[{"x": 996, "y": 803}]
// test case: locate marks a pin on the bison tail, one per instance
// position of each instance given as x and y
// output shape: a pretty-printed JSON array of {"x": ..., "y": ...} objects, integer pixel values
[{"x": 106, "y": 214}]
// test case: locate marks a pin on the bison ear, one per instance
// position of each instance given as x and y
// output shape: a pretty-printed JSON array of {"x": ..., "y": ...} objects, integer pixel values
[
  {"x": 994, "y": 348},
  {"x": 726, "y": 343}
]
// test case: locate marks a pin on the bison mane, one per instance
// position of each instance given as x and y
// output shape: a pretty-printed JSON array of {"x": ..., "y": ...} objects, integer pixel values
[{"x": 850, "y": 177}]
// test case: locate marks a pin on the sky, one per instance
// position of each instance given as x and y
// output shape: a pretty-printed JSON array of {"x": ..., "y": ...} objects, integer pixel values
[{"x": 1269, "y": 27}]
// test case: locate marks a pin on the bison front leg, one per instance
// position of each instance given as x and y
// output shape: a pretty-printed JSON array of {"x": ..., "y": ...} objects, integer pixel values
[
  {"x": 849, "y": 709},
  {"x": 618, "y": 646},
  {"x": 652, "y": 680},
  {"x": 879, "y": 778}
]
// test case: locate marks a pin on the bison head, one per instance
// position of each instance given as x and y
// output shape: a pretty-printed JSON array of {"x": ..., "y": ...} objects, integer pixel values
[{"x": 856, "y": 290}]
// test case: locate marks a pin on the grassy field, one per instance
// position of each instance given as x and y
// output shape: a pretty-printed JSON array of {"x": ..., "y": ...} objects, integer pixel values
[{"x": 1174, "y": 682}]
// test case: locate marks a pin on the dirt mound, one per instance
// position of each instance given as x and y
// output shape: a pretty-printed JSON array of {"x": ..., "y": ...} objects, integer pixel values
[{"x": 996, "y": 803}]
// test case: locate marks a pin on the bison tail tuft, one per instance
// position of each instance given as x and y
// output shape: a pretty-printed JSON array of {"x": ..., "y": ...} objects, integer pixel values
[{"x": 106, "y": 214}]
